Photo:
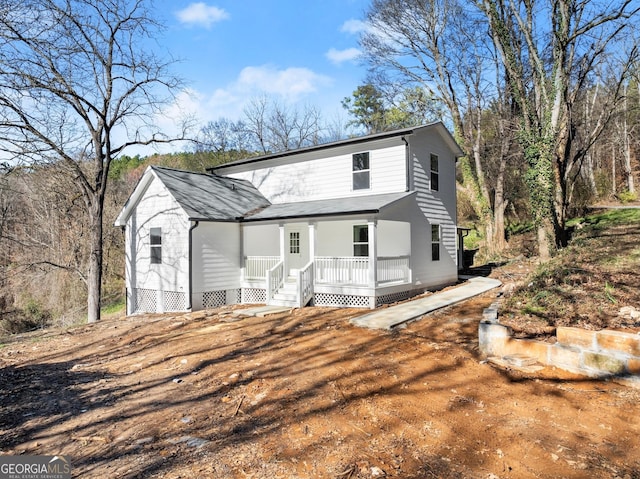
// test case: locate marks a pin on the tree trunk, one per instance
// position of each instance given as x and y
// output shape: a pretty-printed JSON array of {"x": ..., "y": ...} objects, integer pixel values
[
  {"x": 589, "y": 174},
  {"x": 626, "y": 141},
  {"x": 499, "y": 203},
  {"x": 94, "y": 279},
  {"x": 628, "y": 170},
  {"x": 544, "y": 249},
  {"x": 499, "y": 208},
  {"x": 614, "y": 186}
]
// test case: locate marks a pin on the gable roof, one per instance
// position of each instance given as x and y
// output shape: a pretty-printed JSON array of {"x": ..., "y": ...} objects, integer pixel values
[
  {"x": 438, "y": 126},
  {"x": 203, "y": 196},
  {"x": 331, "y": 207}
]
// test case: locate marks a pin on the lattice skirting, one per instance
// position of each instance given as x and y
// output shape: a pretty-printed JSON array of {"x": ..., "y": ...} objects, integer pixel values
[
  {"x": 351, "y": 301},
  {"x": 144, "y": 300},
  {"x": 253, "y": 296},
  {"x": 153, "y": 301},
  {"x": 394, "y": 297},
  {"x": 340, "y": 300},
  {"x": 214, "y": 299}
]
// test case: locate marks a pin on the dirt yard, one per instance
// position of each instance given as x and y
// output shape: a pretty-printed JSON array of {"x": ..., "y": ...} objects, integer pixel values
[{"x": 304, "y": 395}]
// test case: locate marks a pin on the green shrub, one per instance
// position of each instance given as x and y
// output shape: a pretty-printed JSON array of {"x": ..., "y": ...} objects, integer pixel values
[{"x": 627, "y": 196}]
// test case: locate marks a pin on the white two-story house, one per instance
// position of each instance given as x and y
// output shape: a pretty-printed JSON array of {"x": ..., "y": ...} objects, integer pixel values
[{"x": 358, "y": 222}]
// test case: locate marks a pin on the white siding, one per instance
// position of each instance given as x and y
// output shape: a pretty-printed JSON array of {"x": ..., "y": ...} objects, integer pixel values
[
  {"x": 335, "y": 238},
  {"x": 304, "y": 178},
  {"x": 438, "y": 207},
  {"x": 261, "y": 240},
  {"x": 216, "y": 257},
  {"x": 158, "y": 209},
  {"x": 394, "y": 238}
]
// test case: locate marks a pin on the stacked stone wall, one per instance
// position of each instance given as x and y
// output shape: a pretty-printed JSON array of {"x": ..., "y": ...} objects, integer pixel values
[{"x": 600, "y": 354}]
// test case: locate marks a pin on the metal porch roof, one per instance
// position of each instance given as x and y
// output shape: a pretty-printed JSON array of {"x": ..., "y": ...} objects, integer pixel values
[{"x": 330, "y": 207}]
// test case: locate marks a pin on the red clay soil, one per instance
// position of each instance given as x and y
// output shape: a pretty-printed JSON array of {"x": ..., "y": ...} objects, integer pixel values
[{"x": 304, "y": 395}]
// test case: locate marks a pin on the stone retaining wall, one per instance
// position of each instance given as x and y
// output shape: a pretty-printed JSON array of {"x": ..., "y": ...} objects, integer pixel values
[{"x": 599, "y": 354}]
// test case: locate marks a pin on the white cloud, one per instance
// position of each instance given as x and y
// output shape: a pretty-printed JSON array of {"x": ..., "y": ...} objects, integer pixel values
[
  {"x": 339, "y": 56},
  {"x": 201, "y": 14},
  {"x": 290, "y": 83},
  {"x": 354, "y": 26}
]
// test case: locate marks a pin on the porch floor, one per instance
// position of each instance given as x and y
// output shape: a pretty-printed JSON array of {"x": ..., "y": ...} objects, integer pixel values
[{"x": 387, "y": 318}]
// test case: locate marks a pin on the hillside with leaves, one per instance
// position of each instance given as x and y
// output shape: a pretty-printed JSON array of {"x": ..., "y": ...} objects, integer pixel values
[{"x": 586, "y": 285}]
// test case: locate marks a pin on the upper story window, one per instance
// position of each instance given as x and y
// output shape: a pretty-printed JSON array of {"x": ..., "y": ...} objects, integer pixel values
[
  {"x": 361, "y": 171},
  {"x": 155, "y": 242},
  {"x": 360, "y": 240},
  {"x": 435, "y": 242},
  {"x": 434, "y": 172}
]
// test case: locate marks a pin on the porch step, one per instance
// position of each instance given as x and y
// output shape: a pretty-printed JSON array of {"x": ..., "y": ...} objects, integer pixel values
[
  {"x": 287, "y": 295},
  {"x": 282, "y": 302}
]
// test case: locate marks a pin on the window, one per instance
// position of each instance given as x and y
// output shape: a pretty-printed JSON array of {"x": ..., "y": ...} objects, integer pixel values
[
  {"x": 434, "y": 172},
  {"x": 361, "y": 240},
  {"x": 361, "y": 178},
  {"x": 435, "y": 242},
  {"x": 294, "y": 242},
  {"x": 156, "y": 245}
]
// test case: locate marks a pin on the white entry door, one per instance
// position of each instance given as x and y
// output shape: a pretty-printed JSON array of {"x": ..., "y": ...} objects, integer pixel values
[{"x": 297, "y": 248}]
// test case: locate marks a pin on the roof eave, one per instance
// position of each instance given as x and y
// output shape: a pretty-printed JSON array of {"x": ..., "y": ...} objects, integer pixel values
[
  {"x": 134, "y": 198},
  {"x": 313, "y": 215}
]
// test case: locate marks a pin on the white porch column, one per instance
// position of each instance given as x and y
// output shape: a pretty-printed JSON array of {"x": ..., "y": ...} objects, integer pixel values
[
  {"x": 373, "y": 253},
  {"x": 243, "y": 265},
  {"x": 283, "y": 256},
  {"x": 312, "y": 241}
]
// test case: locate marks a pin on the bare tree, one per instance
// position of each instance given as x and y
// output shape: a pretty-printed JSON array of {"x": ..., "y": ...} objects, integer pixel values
[
  {"x": 552, "y": 50},
  {"x": 439, "y": 46},
  {"x": 277, "y": 127},
  {"x": 79, "y": 84},
  {"x": 627, "y": 131},
  {"x": 224, "y": 136}
]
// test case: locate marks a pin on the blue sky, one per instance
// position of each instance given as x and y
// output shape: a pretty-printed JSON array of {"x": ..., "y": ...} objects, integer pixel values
[{"x": 296, "y": 52}]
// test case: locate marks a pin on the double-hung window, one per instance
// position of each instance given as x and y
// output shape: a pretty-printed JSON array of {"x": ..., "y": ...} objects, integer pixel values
[
  {"x": 155, "y": 238},
  {"x": 434, "y": 172},
  {"x": 361, "y": 171},
  {"x": 360, "y": 240},
  {"x": 435, "y": 242}
]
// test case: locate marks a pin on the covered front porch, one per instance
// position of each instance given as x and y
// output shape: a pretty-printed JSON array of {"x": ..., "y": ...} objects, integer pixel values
[{"x": 340, "y": 262}]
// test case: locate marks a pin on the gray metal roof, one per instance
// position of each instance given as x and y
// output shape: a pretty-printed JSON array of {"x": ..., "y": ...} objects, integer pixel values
[
  {"x": 211, "y": 197},
  {"x": 331, "y": 207}
]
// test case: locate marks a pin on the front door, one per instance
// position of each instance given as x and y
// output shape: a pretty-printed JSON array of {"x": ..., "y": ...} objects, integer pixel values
[{"x": 297, "y": 248}]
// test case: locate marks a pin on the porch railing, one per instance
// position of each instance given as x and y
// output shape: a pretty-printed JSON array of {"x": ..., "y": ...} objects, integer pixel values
[
  {"x": 351, "y": 270},
  {"x": 256, "y": 267},
  {"x": 342, "y": 270},
  {"x": 305, "y": 284},
  {"x": 394, "y": 269},
  {"x": 275, "y": 280}
]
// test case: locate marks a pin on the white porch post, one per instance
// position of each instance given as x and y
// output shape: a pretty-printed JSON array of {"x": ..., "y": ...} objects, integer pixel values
[
  {"x": 243, "y": 266},
  {"x": 373, "y": 253},
  {"x": 312, "y": 241},
  {"x": 283, "y": 256},
  {"x": 373, "y": 260}
]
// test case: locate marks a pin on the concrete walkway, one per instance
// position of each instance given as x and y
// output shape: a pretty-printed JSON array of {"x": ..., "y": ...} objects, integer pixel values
[
  {"x": 387, "y": 318},
  {"x": 261, "y": 311}
]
